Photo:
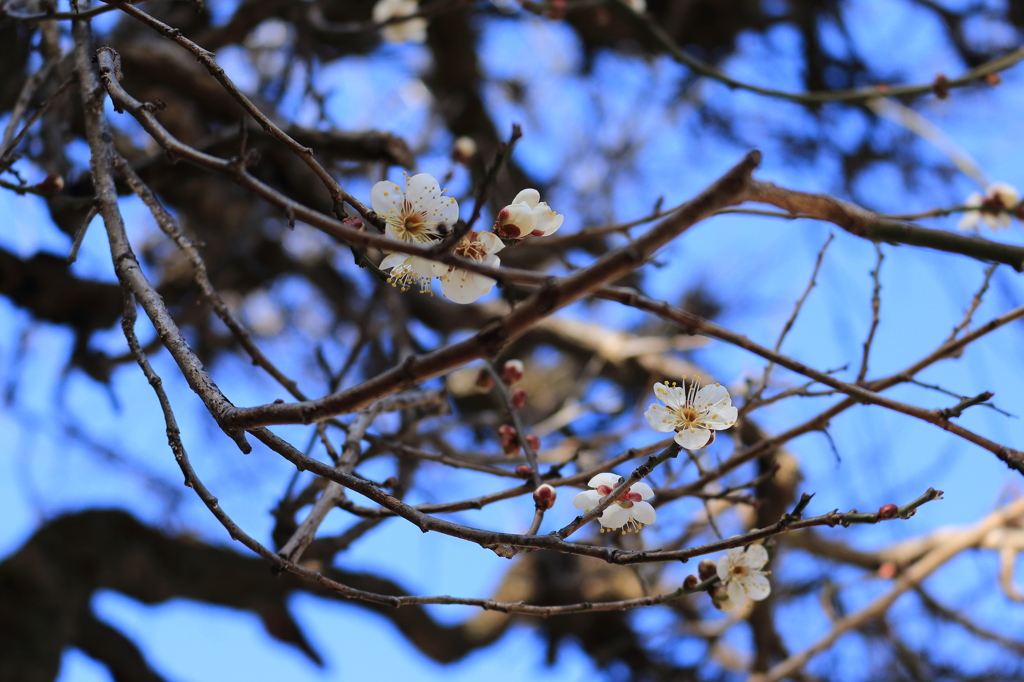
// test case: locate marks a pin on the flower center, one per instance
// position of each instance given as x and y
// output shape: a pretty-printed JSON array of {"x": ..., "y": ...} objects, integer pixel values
[
  {"x": 739, "y": 571},
  {"x": 403, "y": 277},
  {"x": 471, "y": 247}
]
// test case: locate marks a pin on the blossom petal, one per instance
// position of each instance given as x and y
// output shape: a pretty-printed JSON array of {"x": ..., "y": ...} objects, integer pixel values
[
  {"x": 528, "y": 196},
  {"x": 586, "y": 500},
  {"x": 660, "y": 419},
  {"x": 386, "y": 197},
  {"x": 462, "y": 286},
  {"x": 756, "y": 586},
  {"x": 607, "y": 478},
  {"x": 643, "y": 512},
  {"x": 614, "y": 517},
  {"x": 970, "y": 220},
  {"x": 974, "y": 200},
  {"x": 547, "y": 221},
  {"x": 755, "y": 557},
  {"x": 737, "y": 594},
  {"x": 491, "y": 242},
  {"x": 693, "y": 439},
  {"x": 712, "y": 394},
  {"x": 723, "y": 567},
  {"x": 722, "y": 418},
  {"x": 394, "y": 260},
  {"x": 642, "y": 489},
  {"x": 673, "y": 396}
]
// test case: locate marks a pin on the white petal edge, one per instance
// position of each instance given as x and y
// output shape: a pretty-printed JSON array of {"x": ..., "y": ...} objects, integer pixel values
[
  {"x": 642, "y": 489},
  {"x": 607, "y": 478},
  {"x": 586, "y": 500},
  {"x": 644, "y": 513}
]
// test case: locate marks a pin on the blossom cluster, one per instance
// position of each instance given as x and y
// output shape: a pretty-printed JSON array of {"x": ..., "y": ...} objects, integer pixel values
[{"x": 422, "y": 214}]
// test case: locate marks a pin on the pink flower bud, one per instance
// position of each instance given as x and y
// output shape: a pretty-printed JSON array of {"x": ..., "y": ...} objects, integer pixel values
[
  {"x": 544, "y": 497},
  {"x": 888, "y": 511},
  {"x": 524, "y": 471},
  {"x": 533, "y": 442},
  {"x": 518, "y": 397},
  {"x": 512, "y": 372}
]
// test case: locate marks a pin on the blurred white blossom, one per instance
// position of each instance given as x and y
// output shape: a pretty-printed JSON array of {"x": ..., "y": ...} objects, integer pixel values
[
  {"x": 992, "y": 207},
  {"x": 409, "y": 31}
]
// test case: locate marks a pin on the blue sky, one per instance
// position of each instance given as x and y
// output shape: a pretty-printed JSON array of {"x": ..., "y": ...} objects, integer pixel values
[{"x": 758, "y": 266}]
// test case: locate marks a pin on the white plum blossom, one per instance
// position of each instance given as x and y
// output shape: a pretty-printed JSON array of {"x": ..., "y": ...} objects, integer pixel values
[
  {"x": 990, "y": 207},
  {"x": 741, "y": 572},
  {"x": 463, "y": 286},
  {"x": 527, "y": 215},
  {"x": 408, "y": 31},
  {"x": 415, "y": 215},
  {"x": 629, "y": 512},
  {"x": 694, "y": 413}
]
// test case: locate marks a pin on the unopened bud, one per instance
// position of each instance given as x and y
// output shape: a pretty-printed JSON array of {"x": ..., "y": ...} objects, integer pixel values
[
  {"x": 887, "y": 570},
  {"x": 52, "y": 183},
  {"x": 484, "y": 380},
  {"x": 941, "y": 86},
  {"x": 464, "y": 150},
  {"x": 993, "y": 79},
  {"x": 533, "y": 442},
  {"x": 690, "y": 582},
  {"x": 509, "y": 440},
  {"x": 524, "y": 471},
  {"x": 544, "y": 497},
  {"x": 518, "y": 397},
  {"x": 512, "y": 372},
  {"x": 888, "y": 511},
  {"x": 707, "y": 569},
  {"x": 354, "y": 221}
]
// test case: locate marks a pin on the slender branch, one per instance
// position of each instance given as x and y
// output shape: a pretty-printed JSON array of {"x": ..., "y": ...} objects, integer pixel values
[
  {"x": 868, "y": 225},
  {"x": 876, "y": 306},
  {"x": 854, "y": 96},
  {"x": 908, "y": 580}
]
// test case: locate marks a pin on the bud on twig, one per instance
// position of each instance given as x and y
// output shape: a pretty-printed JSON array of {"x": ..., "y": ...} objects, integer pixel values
[
  {"x": 533, "y": 442},
  {"x": 524, "y": 471},
  {"x": 544, "y": 497},
  {"x": 707, "y": 569},
  {"x": 512, "y": 372},
  {"x": 888, "y": 511},
  {"x": 690, "y": 582},
  {"x": 464, "y": 150},
  {"x": 518, "y": 397},
  {"x": 484, "y": 380},
  {"x": 509, "y": 440},
  {"x": 941, "y": 86}
]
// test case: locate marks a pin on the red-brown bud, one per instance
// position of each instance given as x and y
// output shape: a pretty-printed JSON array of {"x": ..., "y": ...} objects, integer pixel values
[
  {"x": 512, "y": 372},
  {"x": 544, "y": 497},
  {"x": 690, "y": 582},
  {"x": 887, "y": 570},
  {"x": 888, "y": 511},
  {"x": 509, "y": 440},
  {"x": 52, "y": 183},
  {"x": 993, "y": 79},
  {"x": 484, "y": 380},
  {"x": 707, "y": 569},
  {"x": 524, "y": 471},
  {"x": 941, "y": 86},
  {"x": 518, "y": 397},
  {"x": 533, "y": 442}
]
